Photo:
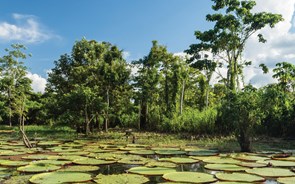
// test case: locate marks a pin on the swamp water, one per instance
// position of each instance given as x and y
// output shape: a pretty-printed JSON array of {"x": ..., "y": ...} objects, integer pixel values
[{"x": 87, "y": 161}]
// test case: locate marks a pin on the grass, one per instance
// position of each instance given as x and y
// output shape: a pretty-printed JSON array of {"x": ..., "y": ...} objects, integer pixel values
[{"x": 223, "y": 144}]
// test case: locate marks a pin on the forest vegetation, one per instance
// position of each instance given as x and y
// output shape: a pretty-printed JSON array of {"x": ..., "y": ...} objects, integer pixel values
[{"x": 93, "y": 88}]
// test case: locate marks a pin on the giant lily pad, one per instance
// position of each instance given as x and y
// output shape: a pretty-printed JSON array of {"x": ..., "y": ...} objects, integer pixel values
[
  {"x": 271, "y": 172},
  {"x": 221, "y": 160},
  {"x": 53, "y": 162},
  {"x": 251, "y": 164},
  {"x": 120, "y": 178},
  {"x": 36, "y": 168},
  {"x": 19, "y": 179},
  {"x": 286, "y": 180},
  {"x": 49, "y": 143},
  {"x": 80, "y": 168},
  {"x": 225, "y": 167},
  {"x": 151, "y": 171},
  {"x": 278, "y": 163},
  {"x": 160, "y": 164},
  {"x": 142, "y": 152},
  {"x": 14, "y": 163},
  {"x": 249, "y": 158},
  {"x": 36, "y": 157},
  {"x": 92, "y": 161},
  {"x": 60, "y": 177},
  {"x": 189, "y": 177},
  {"x": 239, "y": 177},
  {"x": 179, "y": 160},
  {"x": 170, "y": 152}
]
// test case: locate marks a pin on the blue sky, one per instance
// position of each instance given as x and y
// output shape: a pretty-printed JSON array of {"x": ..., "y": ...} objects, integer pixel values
[
  {"x": 129, "y": 24},
  {"x": 49, "y": 28}
]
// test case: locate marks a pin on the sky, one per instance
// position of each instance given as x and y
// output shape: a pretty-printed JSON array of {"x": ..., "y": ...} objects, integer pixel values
[{"x": 49, "y": 28}]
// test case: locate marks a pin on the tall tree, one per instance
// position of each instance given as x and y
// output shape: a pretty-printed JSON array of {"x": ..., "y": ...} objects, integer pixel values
[
  {"x": 234, "y": 25},
  {"x": 15, "y": 86},
  {"x": 285, "y": 73}
]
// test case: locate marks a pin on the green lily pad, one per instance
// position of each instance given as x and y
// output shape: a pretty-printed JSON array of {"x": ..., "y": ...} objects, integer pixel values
[
  {"x": 239, "y": 177},
  {"x": 36, "y": 168},
  {"x": 142, "y": 152},
  {"x": 278, "y": 163},
  {"x": 92, "y": 161},
  {"x": 160, "y": 164},
  {"x": 66, "y": 157},
  {"x": 189, "y": 177},
  {"x": 3, "y": 168},
  {"x": 104, "y": 156},
  {"x": 221, "y": 160},
  {"x": 270, "y": 172},
  {"x": 49, "y": 143},
  {"x": 120, "y": 178},
  {"x": 133, "y": 160},
  {"x": 138, "y": 145},
  {"x": 225, "y": 167},
  {"x": 251, "y": 164},
  {"x": 202, "y": 153},
  {"x": 36, "y": 157},
  {"x": 19, "y": 179},
  {"x": 60, "y": 177},
  {"x": 53, "y": 162},
  {"x": 80, "y": 168},
  {"x": 249, "y": 158},
  {"x": 230, "y": 182},
  {"x": 179, "y": 160},
  {"x": 11, "y": 153},
  {"x": 165, "y": 149},
  {"x": 286, "y": 180},
  {"x": 286, "y": 159},
  {"x": 170, "y": 152},
  {"x": 14, "y": 163},
  {"x": 151, "y": 171},
  {"x": 79, "y": 153}
]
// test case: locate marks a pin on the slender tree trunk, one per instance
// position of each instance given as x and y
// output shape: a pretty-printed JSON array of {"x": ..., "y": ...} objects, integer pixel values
[
  {"x": 87, "y": 122},
  {"x": 143, "y": 115},
  {"x": 182, "y": 96},
  {"x": 107, "y": 111},
  {"x": 9, "y": 104}
]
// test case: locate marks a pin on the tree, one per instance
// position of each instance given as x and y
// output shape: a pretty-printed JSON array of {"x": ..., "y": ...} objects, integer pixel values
[
  {"x": 15, "y": 86},
  {"x": 234, "y": 25},
  {"x": 229, "y": 36},
  {"x": 285, "y": 73},
  {"x": 92, "y": 75}
]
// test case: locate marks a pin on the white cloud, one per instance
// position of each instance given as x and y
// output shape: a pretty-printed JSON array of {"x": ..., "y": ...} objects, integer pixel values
[
  {"x": 25, "y": 28},
  {"x": 280, "y": 45},
  {"x": 38, "y": 82}
]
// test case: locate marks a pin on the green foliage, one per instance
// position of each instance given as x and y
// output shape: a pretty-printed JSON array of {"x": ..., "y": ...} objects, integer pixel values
[{"x": 193, "y": 121}]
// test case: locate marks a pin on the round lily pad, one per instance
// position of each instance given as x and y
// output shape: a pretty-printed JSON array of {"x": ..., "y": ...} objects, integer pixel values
[
  {"x": 271, "y": 172},
  {"x": 286, "y": 158},
  {"x": 3, "y": 168},
  {"x": 286, "y": 180},
  {"x": 49, "y": 143},
  {"x": 36, "y": 168},
  {"x": 53, "y": 162},
  {"x": 278, "y": 163},
  {"x": 19, "y": 179},
  {"x": 36, "y": 157},
  {"x": 225, "y": 167},
  {"x": 92, "y": 161},
  {"x": 239, "y": 177},
  {"x": 60, "y": 177},
  {"x": 170, "y": 152},
  {"x": 251, "y": 164},
  {"x": 161, "y": 164},
  {"x": 133, "y": 161},
  {"x": 142, "y": 152},
  {"x": 120, "y": 178},
  {"x": 80, "y": 168},
  {"x": 165, "y": 149},
  {"x": 221, "y": 160},
  {"x": 249, "y": 158},
  {"x": 189, "y": 177},
  {"x": 202, "y": 153},
  {"x": 179, "y": 160},
  {"x": 14, "y": 163},
  {"x": 151, "y": 171}
]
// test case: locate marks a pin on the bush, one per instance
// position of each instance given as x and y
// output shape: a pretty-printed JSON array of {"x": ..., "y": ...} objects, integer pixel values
[{"x": 192, "y": 121}]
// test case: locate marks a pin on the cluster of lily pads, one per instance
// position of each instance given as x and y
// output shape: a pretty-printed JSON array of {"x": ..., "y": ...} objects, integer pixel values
[{"x": 84, "y": 161}]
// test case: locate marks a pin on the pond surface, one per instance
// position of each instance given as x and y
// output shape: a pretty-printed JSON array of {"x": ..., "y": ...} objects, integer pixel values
[{"x": 114, "y": 158}]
